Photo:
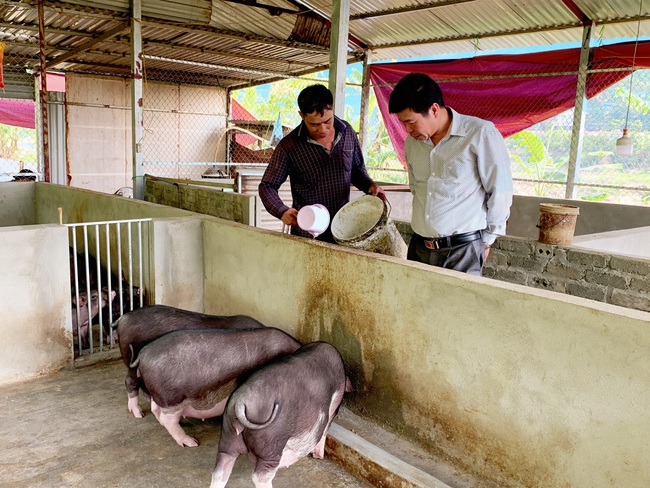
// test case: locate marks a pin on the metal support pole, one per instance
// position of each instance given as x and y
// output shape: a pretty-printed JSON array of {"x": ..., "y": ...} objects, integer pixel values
[
  {"x": 137, "y": 128},
  {"x": 577, "y": 134},
  {"x": 365, "y": 94},
  {"x": 43, "y": 92},
  {"x": 339, "y": 53}
]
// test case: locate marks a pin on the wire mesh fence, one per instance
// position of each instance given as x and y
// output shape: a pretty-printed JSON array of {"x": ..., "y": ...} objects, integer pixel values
[
  {"x": 539, "y": 155},
  {"x": 183, "y": 127},
  {"x": 18, "y": 143}
]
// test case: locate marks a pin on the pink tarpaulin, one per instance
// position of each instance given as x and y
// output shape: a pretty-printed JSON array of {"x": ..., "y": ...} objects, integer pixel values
[
  {"x": 17, "y": 112},
  {"x": 513, "y": 91},
  {"x": 21, "y": 113}
]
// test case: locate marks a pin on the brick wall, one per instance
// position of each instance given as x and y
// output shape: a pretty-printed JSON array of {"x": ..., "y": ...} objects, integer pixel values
[{"x": 614, "y": 279}]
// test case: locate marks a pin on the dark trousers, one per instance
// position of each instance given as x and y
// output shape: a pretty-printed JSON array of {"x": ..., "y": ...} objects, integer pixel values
[{"x": 467, "y": 257}]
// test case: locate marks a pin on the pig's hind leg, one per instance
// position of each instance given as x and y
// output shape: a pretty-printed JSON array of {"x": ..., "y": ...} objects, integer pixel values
[
  {"x": 134, "y": 407},
  {"x": 132, "y": 389},
  {"x": 231, "y": 445},
  {"x": 319, "y": 450},
  {"x": 171, "y": 422},
  {"x": 223, "y": 469},
  {"x": 265, "y": 470}
]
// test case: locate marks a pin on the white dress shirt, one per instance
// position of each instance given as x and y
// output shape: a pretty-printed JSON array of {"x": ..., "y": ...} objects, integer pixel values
[{"x": 463, "y": 183}]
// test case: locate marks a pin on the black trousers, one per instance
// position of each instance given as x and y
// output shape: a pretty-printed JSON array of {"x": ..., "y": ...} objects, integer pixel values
[{"x": 468, "y": 257}]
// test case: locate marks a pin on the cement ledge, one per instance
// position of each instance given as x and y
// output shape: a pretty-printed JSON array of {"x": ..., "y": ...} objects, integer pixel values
[{"x": 367, "y": 461}]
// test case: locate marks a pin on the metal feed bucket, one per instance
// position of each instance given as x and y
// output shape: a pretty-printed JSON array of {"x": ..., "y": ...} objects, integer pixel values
[
  {"x": 364, "y": 223},
  {"x": 557, "y": 223}
]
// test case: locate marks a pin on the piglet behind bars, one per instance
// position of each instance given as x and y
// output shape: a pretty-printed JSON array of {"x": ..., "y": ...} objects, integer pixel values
[{"x": 281, "y": 413}]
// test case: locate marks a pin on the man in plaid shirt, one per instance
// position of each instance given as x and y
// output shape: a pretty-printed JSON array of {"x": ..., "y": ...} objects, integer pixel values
[{"x": 321, "y": 157}]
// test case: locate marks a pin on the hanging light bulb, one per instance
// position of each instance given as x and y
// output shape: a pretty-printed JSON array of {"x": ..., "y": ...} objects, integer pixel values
[{"x": 624, "y": 144}]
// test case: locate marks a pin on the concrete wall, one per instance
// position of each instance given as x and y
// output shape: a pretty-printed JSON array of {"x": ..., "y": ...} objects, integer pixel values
[
  {"x": 17, "y": 203},
  {"x": 178, "y": 262},
  {"x": 595, "y": 217},
  {"x": 523, "y": 387},
  {"x": 80, "y": 205},
  {"x": 35, "y": 301},
  {"x": 630, "y": 242},
  {"x": 204, "y": 198},
  {"x": 35, "y": 282}
]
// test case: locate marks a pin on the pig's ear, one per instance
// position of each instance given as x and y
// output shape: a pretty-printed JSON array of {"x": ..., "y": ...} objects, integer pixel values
[{"x": 348, "y": 385}]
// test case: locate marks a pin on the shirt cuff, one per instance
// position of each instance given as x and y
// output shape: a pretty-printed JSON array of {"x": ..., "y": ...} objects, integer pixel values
[{"x": 488, "y": 239}]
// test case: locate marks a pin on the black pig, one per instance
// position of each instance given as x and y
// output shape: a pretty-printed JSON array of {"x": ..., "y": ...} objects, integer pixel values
[
  {"x": 281, "y": 413},
  {"x": 191, "y": 373},
  {"x": 136, "y": 329}
]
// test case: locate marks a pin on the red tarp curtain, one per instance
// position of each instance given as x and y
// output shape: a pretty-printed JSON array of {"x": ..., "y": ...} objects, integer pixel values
[
  {"x": 238, "y": 112},
  {"x": 2, "y": 51},
  {"x": 21, "y": 113},
  {"x": 510, "y": 97}
]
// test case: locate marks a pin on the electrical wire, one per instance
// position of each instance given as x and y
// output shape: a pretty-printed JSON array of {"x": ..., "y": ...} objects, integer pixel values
[{"x": 636, "y": 43}]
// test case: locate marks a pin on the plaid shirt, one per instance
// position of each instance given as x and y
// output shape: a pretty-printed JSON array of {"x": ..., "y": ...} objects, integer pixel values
[{"x": 316, "y": 174}]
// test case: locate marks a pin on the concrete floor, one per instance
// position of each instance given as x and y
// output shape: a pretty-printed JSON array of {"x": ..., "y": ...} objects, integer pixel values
[{"x": 73, "y": 429}]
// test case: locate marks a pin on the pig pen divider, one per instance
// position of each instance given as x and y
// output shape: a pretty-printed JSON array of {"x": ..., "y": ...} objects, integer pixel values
[{"x": 109, "y": 273}]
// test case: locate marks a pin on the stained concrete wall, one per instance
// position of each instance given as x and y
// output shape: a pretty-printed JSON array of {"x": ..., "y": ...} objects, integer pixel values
[
  {"x": 35, "y": 301},
  {"x": 17, "y": 203},
  {"x": 523, "y": 387}
]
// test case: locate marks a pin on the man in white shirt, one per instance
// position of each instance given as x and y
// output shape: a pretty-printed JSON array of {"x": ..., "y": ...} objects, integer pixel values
[{"x": 459, "y": 174}]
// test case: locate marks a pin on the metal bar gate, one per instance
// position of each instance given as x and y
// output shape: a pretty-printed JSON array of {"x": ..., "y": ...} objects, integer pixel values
[{"x": 109, "y": 273}]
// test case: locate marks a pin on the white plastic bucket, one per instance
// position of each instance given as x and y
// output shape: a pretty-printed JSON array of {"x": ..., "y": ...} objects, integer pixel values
[
  {"x": 364, "y": 224},
  {"x": 314, "y": 219}
]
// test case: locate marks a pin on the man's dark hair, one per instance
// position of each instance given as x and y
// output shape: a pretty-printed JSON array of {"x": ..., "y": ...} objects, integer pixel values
[
  {"x": 416, "y": 91},
  {"x": 25, "y": 175},
  {"x": 315, "y": 98}
]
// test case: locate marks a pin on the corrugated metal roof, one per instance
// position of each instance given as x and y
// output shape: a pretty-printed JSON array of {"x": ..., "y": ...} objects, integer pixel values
[{"x": 234, "y": 43}]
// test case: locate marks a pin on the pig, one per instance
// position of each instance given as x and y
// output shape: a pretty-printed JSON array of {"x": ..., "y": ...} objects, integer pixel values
[
  {"x": 119, "y": 305},
  {"x": 281, "y": 413},
  {"x": 191, "y": 373},
  {"x": 137, "y": 328},
  {"x": 84, "y": 314}
]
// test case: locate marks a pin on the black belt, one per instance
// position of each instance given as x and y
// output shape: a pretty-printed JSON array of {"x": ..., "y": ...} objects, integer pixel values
[{"x": 450, "y": 241}]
